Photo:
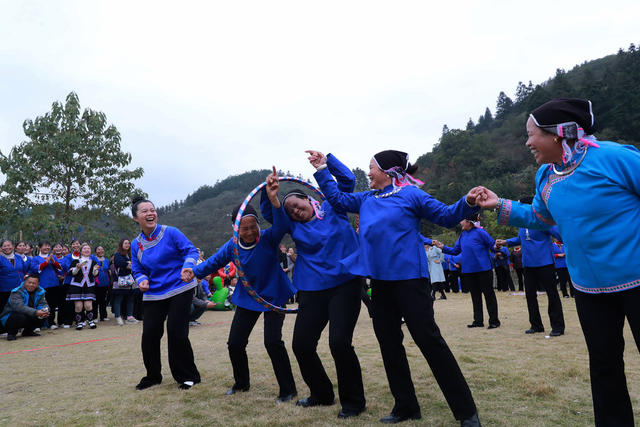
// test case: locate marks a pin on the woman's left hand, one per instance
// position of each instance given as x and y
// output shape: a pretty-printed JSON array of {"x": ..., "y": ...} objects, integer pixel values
[{"x": 144, "y": 286}]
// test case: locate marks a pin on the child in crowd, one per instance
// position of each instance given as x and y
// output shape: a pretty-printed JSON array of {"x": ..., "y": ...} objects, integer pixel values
[{"x": 82, "y": 287}]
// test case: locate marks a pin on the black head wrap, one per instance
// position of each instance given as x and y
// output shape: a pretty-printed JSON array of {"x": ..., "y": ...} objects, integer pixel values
[
  {"x": 564, "y": 117},
  {"x": 390, "y": 159},
  {"x": 248, "y": 211},
  {"x": 294, "y": 193}
]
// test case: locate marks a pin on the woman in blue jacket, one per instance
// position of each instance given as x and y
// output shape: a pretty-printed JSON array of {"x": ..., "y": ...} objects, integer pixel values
[
  {"x": 326, "y": 293},
  {"x": 391, "y": 252},
  {"x": 258, "y": 254},
  {"x": 159, "y": 255},
  {"x": 591, "y": 190},
  {"x": 12, "y": 270},
  {"x": 48, "y": 267}
]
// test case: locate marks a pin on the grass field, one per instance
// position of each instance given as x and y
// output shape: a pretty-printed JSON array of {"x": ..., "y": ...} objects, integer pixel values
[{"x": 516, "y": 379}]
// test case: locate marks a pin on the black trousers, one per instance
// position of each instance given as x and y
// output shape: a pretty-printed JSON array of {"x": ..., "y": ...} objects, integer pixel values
[
  {"x": 16, "y": 321},
  {"x": 453, "y": 280},
  {"x": 55, "y": 299},
  {"x": 243, "y": 322},
  {"x": 411, "y": 299},
  {"x": 175, "y": 310},
  {"x": 4, "y": 298},
  {"x": 340, "y": 307},
  {"x": 519, "y": 274},
  {"x": 564, "y": 279},
  {"x": 545, "y": 277},
  {"x": 66, "y": 307},
  {"x": 602, "y": 320},
  {"x": 100, "y": 306},
  {"x": 504, "y": 279},
  {"x": 364, "y": 297},
  {"x": 480, "y": 283}
]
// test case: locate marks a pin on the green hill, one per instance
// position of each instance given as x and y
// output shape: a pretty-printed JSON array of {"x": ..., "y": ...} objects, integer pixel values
[{"x": 489, "y": 152}]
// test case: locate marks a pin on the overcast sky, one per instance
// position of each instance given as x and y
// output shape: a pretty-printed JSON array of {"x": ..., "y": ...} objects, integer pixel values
[{"x": 201, "y": 90}]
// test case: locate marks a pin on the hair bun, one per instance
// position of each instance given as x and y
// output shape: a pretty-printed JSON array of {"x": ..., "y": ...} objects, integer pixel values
[
  {"x": 411, "y": 169},
  {"x": 137, "y": 199}
]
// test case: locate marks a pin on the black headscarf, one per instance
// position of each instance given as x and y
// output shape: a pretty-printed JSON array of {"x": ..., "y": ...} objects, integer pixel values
[
  {"x": 564, "y": 117},
  {"x": 248, "y": 211},
  {"x": 390, "y": 159}
]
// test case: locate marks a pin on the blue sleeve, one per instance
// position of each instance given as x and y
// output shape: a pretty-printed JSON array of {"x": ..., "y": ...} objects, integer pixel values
[
  {"x": 448, "y": 216},
  {"x": 187, "y": 250},
  {"x": 488, "y": 240},
  {"x": 216, "y": 261},
  {"x": 455, "y": 250},
  {"x": 346, "y": 179},
  {"x": 280, "y": 227},
  {"x": 139, "y": 271},
  {"x": 265, "y": 206},
  {"x": 339, "y": 200},
  {"x": 555, "y": 232},
  {"x": 514, "y": 241}
]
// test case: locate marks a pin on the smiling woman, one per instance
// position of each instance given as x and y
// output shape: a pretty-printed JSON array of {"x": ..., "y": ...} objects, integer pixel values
[{"x": 159, "y": 255}]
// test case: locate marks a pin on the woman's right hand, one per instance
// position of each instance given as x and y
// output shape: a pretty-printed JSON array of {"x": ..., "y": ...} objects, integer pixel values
[
  {"x": 273, "y": 185},
  {"x": 144, "y": 286}
]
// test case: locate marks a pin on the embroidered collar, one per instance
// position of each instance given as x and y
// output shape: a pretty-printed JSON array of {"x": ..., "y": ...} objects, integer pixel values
[
  {"x": 153, "y": 235},
  {"x": 388, "y": 191},
  {"x": 577, "y": 156}
]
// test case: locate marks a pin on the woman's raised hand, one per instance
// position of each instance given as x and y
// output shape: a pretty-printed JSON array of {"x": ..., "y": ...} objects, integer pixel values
[
  {"x": 316, "y": 158},
  {"x": 273, "y": 185}
]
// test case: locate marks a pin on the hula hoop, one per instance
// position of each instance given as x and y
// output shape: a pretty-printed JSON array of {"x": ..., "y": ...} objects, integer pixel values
[{"x": 236, "y": 248}]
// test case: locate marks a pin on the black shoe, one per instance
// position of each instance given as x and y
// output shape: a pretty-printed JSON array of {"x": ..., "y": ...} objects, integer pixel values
[
  {"x": 30, "y": 334},
  {"x": 147, "y": 382},
  {"x": 443, "y": 296},
  {"x": 493, "y": 325},
  {"x": 308, "y": 402},
  {"x": 476, "y": 325},
  {"x": 11, "y": 337},
  {"x": 234, "y": 390},
  {"x": 348, "y": 413},
  {"x": 394, "y": 419},
  {"x": 533, "y": 331},
  {"x": 556, "y": 333},
  {"x": 286, "y": 398},
  {"x": 472, "y": 421}
]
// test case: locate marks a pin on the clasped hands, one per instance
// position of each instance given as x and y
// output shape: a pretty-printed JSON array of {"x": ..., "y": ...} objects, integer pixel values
[{"x": 482, "y": 197}]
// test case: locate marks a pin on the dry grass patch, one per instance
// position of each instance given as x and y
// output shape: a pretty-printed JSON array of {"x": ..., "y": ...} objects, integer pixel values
[{"x": 516, "y": 379}]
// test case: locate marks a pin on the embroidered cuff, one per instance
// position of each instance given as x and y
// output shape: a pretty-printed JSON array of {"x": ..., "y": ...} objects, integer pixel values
[
  {"x": 504, "y": 211},
  {"x": 323, "y": 166},
  {"x": 141, "y": 278}
]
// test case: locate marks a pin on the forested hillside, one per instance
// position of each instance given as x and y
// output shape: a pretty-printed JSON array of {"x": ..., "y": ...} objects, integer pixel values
[{"x": 490, "y": 151}]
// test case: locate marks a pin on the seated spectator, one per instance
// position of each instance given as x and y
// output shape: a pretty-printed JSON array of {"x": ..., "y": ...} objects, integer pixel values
[
  {"x": 199, "y": 304},
  {"x": 27, "y": 308}
]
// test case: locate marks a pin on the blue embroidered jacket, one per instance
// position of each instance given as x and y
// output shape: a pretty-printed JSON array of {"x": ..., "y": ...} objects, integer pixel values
[
  {"x": 536, "y": 246},
  {"x": 321, "y": 243},
  {"x": 391, "y": 247},
  {"x": 160, "y": 259},
  {"x": 48, "y": 276},
  {"x": 560, "y": 261},
  {"x": 11, "y": 275},
  {"x": 596, "y": 209},
  {"x": 260, "y": 265},
  {"x": 475, "y": 247}
]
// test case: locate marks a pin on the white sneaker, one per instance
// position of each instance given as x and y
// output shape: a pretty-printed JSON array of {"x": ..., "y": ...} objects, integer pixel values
[
  {"x": 54, "y": 327},
  {"x": 194, "y": 323},
  {"x": 65, "y": 326},
  {"x": 105, "y": 319},
  {"x": 36, "y": 330},
  {"x": 92, "y": 325},
  {"x": 131, "y": 320},
  {"x": 79, "y": 326},
  {"x": 119, "y": 321}
]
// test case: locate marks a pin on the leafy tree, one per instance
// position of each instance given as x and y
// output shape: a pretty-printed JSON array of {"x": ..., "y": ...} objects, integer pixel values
[
  {"x": 445, "y": 129},
  {"x": 72, "y": 162},
  {"x": 503, "y": 106},
  {"x": 470, "y": 124},
  {"x": 362, "y": 180}
]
